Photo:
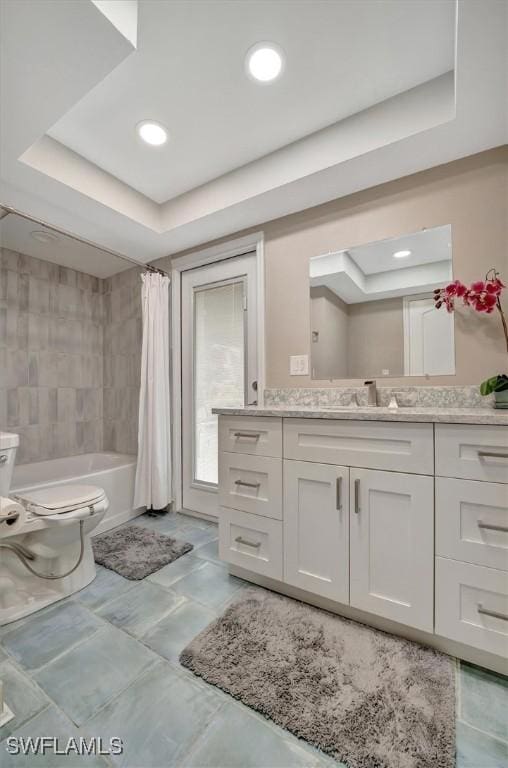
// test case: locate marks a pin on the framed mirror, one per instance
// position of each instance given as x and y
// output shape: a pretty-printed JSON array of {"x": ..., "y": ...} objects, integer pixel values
[{"x": 372, "y": 309}]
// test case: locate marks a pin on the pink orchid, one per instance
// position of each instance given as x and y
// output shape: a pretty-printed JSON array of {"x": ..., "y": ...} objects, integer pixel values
[{"x": 482, "y": 296}]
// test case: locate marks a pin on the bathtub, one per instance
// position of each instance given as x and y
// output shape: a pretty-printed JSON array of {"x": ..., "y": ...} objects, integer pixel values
[{"x": 115, "y": 472}]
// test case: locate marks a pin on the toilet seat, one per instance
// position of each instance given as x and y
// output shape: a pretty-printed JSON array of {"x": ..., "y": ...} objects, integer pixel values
[{"x": 62, "y": 500}]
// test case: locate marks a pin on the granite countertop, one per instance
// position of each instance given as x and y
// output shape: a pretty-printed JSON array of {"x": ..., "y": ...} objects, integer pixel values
[{"x": 431, "y": 414}]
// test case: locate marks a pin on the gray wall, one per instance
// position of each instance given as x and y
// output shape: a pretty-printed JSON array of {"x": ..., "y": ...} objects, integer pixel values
[
  {"x": 51, "y": 357},
  {"x": 122, "y": 360}
]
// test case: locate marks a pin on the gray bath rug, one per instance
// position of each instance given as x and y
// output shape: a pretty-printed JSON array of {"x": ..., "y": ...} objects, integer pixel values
[
  {"x": 369, "y": 699},
  {"x": 135, "y": 552}
]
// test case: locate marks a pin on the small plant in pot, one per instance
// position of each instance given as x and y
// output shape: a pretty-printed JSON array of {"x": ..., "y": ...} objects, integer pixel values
[{"x": 483, "y": 296}]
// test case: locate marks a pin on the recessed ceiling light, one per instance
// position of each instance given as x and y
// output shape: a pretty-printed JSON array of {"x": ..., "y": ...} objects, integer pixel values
[
  {"x": 43, "y": 237},
  {"x": 152, "y": 133},
  {"x": 264, "y": 62},
  {"x": 401, "y": 254}
]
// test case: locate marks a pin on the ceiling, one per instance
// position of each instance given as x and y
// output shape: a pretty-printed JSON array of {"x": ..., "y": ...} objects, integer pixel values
[
  {"x": 371, "y": 91},
  {"x": 188, "y": 73},
  {"x": 426, "y": 246},
  {"x": 371, "y": 272},
  {"x": 16, "y": 235}
]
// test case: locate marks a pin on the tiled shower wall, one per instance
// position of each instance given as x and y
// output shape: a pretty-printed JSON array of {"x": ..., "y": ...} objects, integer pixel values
[
  {"x": 122, "y": 360},
  {"x": 51, "y": 361},
  {"x": 69, "y": 345}
]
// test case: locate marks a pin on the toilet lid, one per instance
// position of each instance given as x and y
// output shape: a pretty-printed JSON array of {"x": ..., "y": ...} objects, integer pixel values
[{"x": 63, "y": 498}]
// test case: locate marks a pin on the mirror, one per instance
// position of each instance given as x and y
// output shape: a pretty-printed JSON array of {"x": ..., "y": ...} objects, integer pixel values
[{"x": 372, "y": 309}]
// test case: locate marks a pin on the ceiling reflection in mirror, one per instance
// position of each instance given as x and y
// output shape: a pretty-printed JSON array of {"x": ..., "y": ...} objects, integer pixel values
[{"x": 372, "y": 309}]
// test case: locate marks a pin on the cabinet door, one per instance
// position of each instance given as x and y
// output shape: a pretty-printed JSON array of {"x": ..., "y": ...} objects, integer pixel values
[
  {"x": 392, "y": 546},
  {"x": 316, "y": 528}
]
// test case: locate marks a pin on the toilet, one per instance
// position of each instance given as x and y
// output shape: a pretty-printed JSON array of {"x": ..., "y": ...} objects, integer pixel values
[{"x": 45, "y": 547}]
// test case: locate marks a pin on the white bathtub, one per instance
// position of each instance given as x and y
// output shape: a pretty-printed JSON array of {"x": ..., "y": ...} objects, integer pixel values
[{"x": 115, "y": 472}]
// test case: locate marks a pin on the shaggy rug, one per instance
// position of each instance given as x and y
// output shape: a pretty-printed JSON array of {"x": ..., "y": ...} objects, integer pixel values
[
  {"x": 369, "y": 699},
  {"x": 135, "y": 552}
]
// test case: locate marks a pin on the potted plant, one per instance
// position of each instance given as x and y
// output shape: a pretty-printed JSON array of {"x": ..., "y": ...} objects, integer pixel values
[{"x": 482, "y": 296}]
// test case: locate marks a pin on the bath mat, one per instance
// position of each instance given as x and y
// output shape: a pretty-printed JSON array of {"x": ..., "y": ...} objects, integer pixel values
[
  {"x": 367, "y": 698},
  {"x": 135, "y": 552}
]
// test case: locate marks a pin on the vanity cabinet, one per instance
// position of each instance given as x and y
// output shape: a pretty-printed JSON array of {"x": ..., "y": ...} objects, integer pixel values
[
  {"x": 392, "y": 546},
  {"x": 316, "y": 533},
  {"x": 398, "y": 524}
]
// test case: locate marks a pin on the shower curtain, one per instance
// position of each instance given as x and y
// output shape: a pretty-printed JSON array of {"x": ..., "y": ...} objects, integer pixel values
[{"x": 153, "y": 473}]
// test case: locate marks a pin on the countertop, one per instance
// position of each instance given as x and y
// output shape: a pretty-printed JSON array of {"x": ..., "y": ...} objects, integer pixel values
[{"x": 431, "y": 414}]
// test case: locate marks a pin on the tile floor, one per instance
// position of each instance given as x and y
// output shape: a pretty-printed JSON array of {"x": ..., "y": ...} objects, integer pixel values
[{"x": 105, "y": 663}]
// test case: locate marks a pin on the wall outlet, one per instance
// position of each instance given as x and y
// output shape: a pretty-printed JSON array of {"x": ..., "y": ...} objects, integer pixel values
[{"x": 299, "y": 365}]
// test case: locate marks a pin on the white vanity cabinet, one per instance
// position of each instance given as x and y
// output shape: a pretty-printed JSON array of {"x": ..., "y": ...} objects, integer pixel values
[
  {"x": 392, "y": 546},
  {"x": 400, "y": 524},
  {"x": 316, "y": 533}
]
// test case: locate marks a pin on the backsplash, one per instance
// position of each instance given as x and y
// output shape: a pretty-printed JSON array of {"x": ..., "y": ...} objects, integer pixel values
[{"x": 417, "y": 397}]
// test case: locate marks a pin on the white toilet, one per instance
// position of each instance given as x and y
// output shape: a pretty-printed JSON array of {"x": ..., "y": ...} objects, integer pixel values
[{"x": 45, "y": 548}]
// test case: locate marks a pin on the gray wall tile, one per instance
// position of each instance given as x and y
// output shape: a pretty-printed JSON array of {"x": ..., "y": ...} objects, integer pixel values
[{"x": 51, "y": 357}]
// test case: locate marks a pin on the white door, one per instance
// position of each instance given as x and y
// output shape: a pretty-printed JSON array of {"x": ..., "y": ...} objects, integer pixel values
[
  {"x": 316, "y": 528},
  {"x": 219, "y": 354},
  {"x": 392, "y": 546},
  {"x": 428, "y": 338}
]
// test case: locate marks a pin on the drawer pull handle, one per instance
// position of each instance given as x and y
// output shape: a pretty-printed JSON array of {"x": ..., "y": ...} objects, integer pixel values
[
  {"x": 338, "y": 494},
  {"x": 492, "y": 455},
  {"x": 247, "y": 485},
  {"x": 492, "y": 527},
  {"x": 357, "y": 497},
  {"x": 253, "y": 544},
  {"x": 255, "y": 435},
  {"x": 494, "y": 614}
]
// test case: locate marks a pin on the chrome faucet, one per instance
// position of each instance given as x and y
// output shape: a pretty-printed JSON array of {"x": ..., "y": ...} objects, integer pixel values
[{"x": 371, "y": 393}]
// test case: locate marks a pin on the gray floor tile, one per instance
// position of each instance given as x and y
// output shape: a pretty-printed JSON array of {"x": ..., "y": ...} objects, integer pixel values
[
  {"x": 484, "y": 700},
  {"x": 3, "y": 655},
  {"x": 174, "y": 571},
  {"x": 210, "y": 584},
  {"x": 52, "y": 723},
  {"x": 209, "y": 551},
  {"x": 195, "y": 535},
  {"x": 478, "y": 750},
  {"x": 106, "y": 585},
  {"x": 238, "y": 739},
  {"x": 140, "y": 608},
  {"x": 170, "y": 636},
  {"x": 50, "y": 633},
  {"x": 158, "y": 718},
  {"x": 162, "y": 523},
  {"x": 87, "y": 677},
  {"x": 22, "y": 696}
]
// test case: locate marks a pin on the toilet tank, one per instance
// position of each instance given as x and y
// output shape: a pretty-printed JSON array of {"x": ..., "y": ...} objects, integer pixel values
[{"x": 8, "y": 445}]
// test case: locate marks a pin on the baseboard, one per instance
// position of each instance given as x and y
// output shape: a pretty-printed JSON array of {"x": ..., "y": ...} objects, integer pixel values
[
  {"x": 199, "y": 515},
  {"x": 465, "y": 652}
]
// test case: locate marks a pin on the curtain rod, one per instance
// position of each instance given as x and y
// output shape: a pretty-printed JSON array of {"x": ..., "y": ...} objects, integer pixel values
[{"x": 7, "y": 209}]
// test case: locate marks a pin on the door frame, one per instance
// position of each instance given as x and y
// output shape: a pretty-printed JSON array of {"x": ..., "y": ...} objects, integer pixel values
[{"x": 227, "y": 250}]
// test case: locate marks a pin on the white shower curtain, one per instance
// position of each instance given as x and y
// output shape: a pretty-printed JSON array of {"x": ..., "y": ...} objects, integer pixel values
[{"x": 153, "y": 473}]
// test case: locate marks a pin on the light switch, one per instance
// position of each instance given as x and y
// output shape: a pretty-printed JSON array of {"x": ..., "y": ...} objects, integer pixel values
[{"x": 299, "y": 365}]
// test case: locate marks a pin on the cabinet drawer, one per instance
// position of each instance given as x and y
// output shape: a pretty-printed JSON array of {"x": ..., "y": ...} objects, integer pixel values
[
  {"x": 472, "y": 605},
  {"x": 251, "y": 542},
  {"x": 251, "y": 483},
  {"x": 370, "y": 444},
  {"x": 472, "y": 452},
  {"x": 256, "y": 435},
  {"x": 472, "y": 522}
]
